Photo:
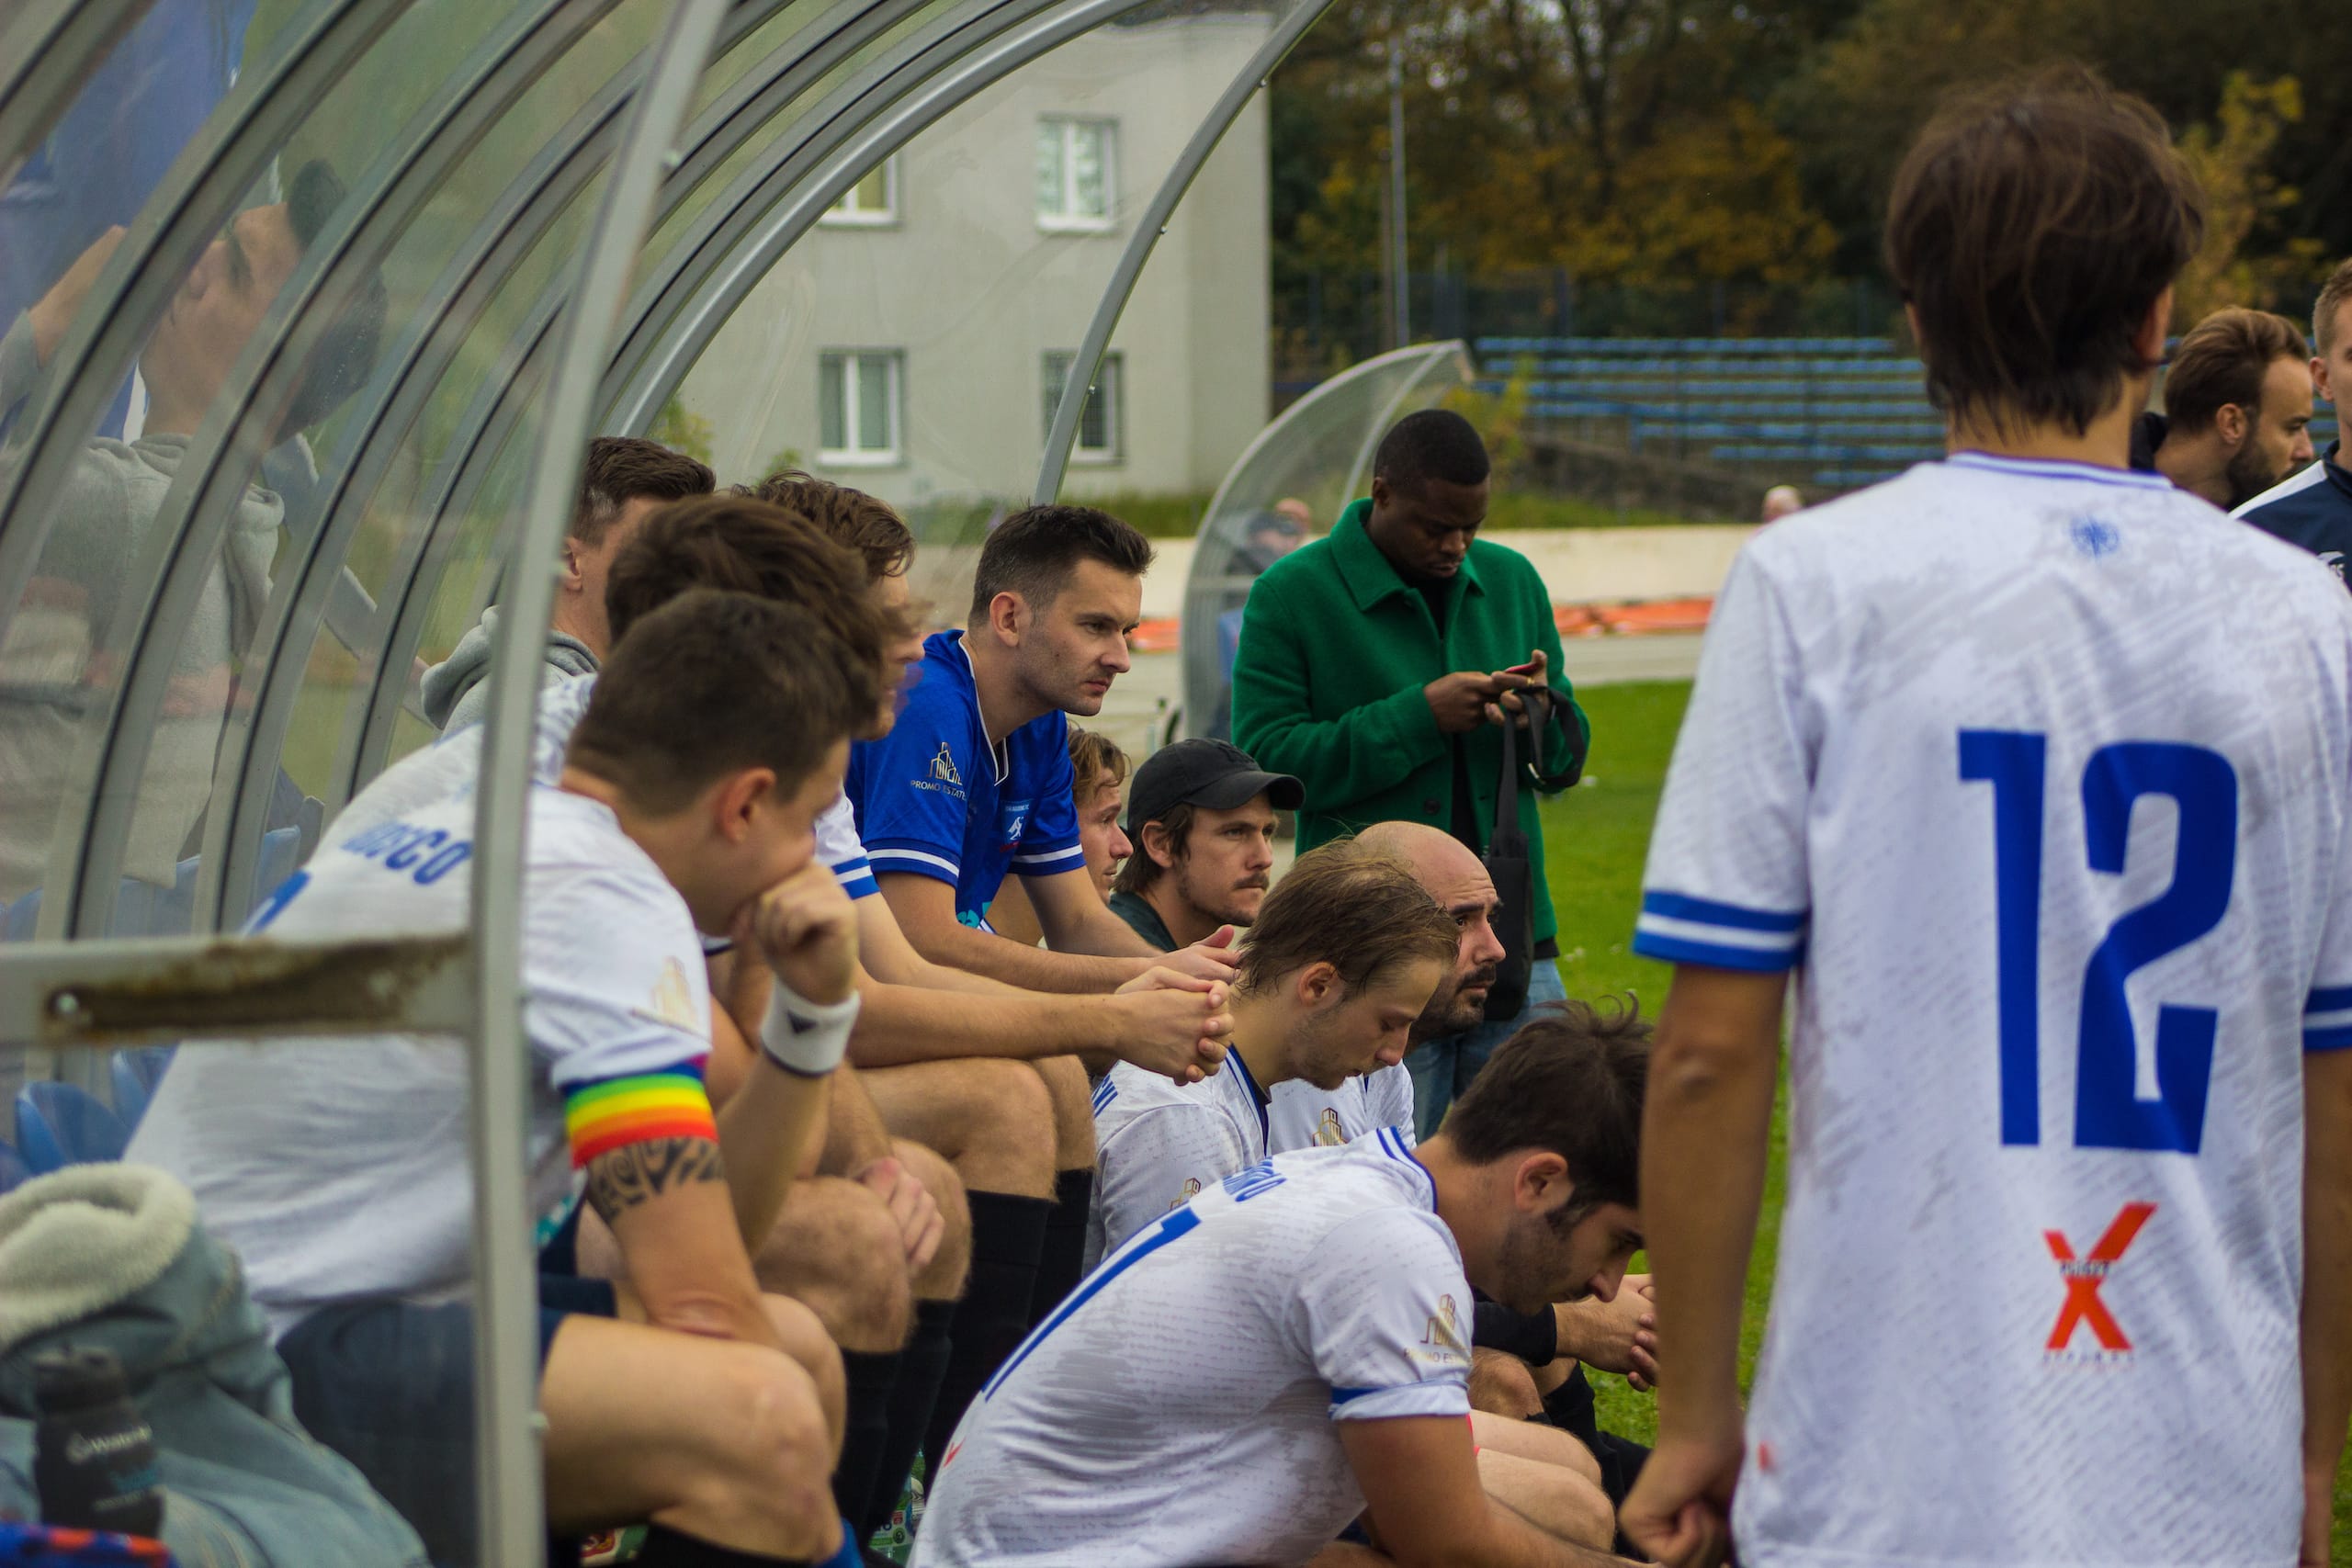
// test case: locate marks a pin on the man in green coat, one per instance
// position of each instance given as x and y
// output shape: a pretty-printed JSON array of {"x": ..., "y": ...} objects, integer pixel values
[{"x": 1377, "y": 666}]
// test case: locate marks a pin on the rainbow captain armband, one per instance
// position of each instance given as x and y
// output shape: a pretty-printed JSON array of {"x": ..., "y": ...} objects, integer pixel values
[{"x": 612, "y": 1113}]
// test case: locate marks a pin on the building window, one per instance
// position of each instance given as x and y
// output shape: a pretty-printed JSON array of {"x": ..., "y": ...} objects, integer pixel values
[
  {"x": 857, "y": 407},
  {"x": 1098, "y": 417},
  {"x": 1074, "y": 182},
  {"x": 872, "y": 202}
]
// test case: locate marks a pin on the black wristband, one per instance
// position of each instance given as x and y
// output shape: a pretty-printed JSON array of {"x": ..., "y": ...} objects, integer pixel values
[{"x": 1532, "y": 1337}]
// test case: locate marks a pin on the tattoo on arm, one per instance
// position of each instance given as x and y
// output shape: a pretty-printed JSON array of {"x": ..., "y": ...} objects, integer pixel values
[{"x": 638, "y": 1173}]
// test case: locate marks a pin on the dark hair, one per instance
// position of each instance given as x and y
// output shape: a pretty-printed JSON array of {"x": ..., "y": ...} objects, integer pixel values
[
  {"x": 622, "y": 468},
  {"x": 2031, "y": 229},
  {"x": 1435, "y": 443},
  {"x": 1571, "y": 1082},
  {"x": 712, "y": 683},
  {"x": 1139, "y": 871},
  {"x": 2325, "y": 310},
  {"x": 344, "y": 355},
  {"x": 1357, "y": 909},
  {"x": 2222, "y": 360},
  {"x": 1033, "y": 551},
  {"x": 866, "y": 524},
  {"x": 727, "y": 542},
  {"x": 1095, "y": 762}
]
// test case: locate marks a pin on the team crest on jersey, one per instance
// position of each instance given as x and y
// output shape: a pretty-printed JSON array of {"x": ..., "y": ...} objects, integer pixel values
[
  {"x": 2084, "y": 1276},
  {"x": 1328, "y": 1132},
  {"x": 672, "y": 1000},
  {"x": 1443, "y": 1335},
  {"x": 1190, "y": 1189},
  {"x": 2095, "y": 539}
]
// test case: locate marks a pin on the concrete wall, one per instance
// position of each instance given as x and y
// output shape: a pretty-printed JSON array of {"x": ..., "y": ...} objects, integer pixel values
[{"x": 973, "y": 292}]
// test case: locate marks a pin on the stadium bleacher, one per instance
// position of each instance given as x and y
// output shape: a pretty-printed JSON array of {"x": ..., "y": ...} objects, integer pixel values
[{"x": 1830, "y": 413}]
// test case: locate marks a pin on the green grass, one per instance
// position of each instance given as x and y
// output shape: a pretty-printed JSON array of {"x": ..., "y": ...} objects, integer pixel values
[{"x": 1596, "y": 838}]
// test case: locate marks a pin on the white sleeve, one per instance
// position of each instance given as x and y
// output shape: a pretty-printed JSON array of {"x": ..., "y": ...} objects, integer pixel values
[
  {"x": 1156, "y": 1161},
  {"x": 1386, "y": 1315},
  {"x": 1726, "y": 886},
  {"x": 2327, "y": 1008},
  {"x": 839, "y": 847},
  {"x": 613, "y": 975}
]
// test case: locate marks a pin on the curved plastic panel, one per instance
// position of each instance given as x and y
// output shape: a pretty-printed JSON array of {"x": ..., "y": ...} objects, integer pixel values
[{"x": 1319, "y": 453}]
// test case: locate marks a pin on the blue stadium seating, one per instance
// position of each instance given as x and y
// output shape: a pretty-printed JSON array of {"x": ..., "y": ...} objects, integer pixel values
[
  {"x": 142, "y": 909},
  {"x": 58, "y": 1125},
  {"x": 136, "y": 1073},
  {"x": 14, "y": 1172},
  {"x": 1830, "y": 412}
]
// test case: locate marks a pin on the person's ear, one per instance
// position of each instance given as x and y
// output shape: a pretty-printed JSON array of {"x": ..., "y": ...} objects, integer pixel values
[
  {"x": 573, "y": 580},
  {"x": 1006, "y": 613},
  {"x": 2230, "y": 423},
  {"x": 2148, "y": 342},
  {"x": 736, "y": 800},
  {"x": 2319, "y": 381},
  {"x": 1317, "y": 984},
  {"x": 1158, "y": 845},
  {"x": 1541, "y": 1183},
  {"x": 1380, "y": 493}
]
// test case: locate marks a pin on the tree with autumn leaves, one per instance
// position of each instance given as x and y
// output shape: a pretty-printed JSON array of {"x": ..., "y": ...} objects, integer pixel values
[{"x": 1751, "y": 142}]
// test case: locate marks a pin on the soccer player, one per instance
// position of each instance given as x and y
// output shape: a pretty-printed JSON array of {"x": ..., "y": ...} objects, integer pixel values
[
  {"x": 974, "y": 781},
  {"x": 1098, "y": 780},
  {"x": 1256, "y": 1370},
  {"x": 2003, "y": 754},
  {"x": 2237, "y": 409},
  {"x": 2314, "y": 508},
  {"x": 624, "y": 480},
  {"x": 1202, "y": 817},
  {"x": 1341, "y": 961},
  {"x": 338, "y": 1169}
]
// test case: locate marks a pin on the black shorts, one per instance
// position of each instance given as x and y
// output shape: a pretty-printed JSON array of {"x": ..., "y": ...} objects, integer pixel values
[{"x": 389, "y": 1386}]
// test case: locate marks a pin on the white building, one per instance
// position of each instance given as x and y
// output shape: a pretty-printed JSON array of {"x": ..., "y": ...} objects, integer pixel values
[{"x": 912, "y": 344}]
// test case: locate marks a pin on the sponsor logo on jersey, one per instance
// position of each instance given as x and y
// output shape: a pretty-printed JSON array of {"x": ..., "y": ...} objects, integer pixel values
[
  {"x": 672, "y": 999},
  {"x": 1190, "y": 1189},
  {"x": 2095, "y": 539},
  {"x": 1010, "y": 819},
  {"x": 1443, "y": 1335},
  {"x": 1328, "y": 1132},
  {"x": 943, "y": 766},
  {"x": 2084, "y": 1276}
]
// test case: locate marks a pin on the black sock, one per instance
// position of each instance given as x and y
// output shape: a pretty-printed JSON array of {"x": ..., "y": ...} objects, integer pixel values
[
  {"x": 1008, "y": 1236},
  {"x": 667, "y": 1548},
  {"x": 1062, "y": 1263},
  {"x": 919, "y": 1366},
  {"x": 865, "y": 1436}
]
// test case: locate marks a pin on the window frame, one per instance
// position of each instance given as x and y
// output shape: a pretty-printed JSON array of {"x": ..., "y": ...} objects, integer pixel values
[
  {"x": 1110, "y": 385},
  {"x": 886, "y": 216},
  {"x": 894, "y": 361},
  {"x": 1068, "y": 220}
]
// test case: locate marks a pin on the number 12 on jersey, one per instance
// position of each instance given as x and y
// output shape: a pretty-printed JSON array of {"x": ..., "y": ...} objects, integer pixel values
[{"x": 2108, "y": 1113}]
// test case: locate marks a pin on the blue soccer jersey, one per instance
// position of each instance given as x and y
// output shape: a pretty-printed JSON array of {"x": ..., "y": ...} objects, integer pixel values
[{"x": 934, "y": 797}]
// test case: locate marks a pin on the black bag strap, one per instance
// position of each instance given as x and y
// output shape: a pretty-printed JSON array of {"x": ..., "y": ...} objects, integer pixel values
[{"x": 1539, "y": 714}]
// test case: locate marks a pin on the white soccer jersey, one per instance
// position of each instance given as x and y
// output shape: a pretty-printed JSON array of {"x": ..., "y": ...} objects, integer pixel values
[
  {"x": 1304, "y": 1117},
  {"x": 451, "y": 767},
  {"x": 339, "y": 1168},
  {"x": 1182, "y": 1406},
  {"x": 1158, "y": 1142},
  {"x": 2040, "y": 772}
]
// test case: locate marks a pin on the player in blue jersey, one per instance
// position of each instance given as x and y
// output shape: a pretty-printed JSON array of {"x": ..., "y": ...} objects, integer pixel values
[{"x": 2038, "y": 774}]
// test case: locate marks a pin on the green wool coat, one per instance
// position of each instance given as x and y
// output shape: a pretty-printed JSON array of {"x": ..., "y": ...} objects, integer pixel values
[{"x": 1335, "y": 649}]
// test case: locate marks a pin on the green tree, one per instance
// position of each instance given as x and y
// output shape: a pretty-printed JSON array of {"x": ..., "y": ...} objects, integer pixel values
[{"x": 678, "y": 426}]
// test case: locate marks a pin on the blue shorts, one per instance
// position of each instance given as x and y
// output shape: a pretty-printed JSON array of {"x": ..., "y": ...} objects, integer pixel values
[{"x": 389, "y": 1386}]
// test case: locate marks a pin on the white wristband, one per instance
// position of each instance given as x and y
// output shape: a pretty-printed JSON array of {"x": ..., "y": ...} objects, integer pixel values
[{"x": 805, "y": 1037}]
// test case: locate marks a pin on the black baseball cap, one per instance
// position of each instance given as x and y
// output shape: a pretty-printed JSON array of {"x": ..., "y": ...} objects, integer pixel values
[{"x": 1212, "y": 774}]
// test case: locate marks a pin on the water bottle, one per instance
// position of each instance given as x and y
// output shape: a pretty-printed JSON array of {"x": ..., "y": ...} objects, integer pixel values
[{"x": 93, "y": 1457}]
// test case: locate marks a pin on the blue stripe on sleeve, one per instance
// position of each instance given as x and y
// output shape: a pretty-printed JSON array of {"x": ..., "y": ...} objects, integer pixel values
[
  {"x": 2329, "y": 999},
  {"x": 1681, "y": 950},
  {"x": 1683, "y": 907},
  {"x": 2336, "y": 1039}
]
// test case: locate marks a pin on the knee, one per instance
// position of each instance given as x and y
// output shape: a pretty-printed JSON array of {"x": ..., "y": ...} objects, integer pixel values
[
  {"x": 1501, "y": 1384},
  {"x": 838, "y": 1254},
  {"x": 1008, "y": 1114},
  {"x": 804, "y": 1338},
  {"x": 1073, "y": 1111},
  {"x": 768, "y": 1474},
  {"x": 942, "y": 1280}
]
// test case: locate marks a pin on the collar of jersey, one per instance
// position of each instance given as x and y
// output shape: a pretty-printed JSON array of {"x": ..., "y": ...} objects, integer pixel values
[
  {"x": 2058, "y": 468},
  {"x": 1258, "y": 1100},
  {"x": 1394, "y": 1147},
  {"x": 1000, "y": 753}
]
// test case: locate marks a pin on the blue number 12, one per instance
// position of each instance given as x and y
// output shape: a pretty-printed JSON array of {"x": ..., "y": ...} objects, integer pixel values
[{"x": 2107, "y": 1113}]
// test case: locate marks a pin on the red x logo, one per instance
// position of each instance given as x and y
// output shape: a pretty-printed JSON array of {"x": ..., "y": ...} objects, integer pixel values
[{"x": 2085, "y": 1277}]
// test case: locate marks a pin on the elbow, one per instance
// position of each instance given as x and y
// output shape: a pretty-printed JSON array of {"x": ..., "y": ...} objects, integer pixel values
[
  {"x": 712, "y": 1313},
  {"x": 1693, "y": 1066}
]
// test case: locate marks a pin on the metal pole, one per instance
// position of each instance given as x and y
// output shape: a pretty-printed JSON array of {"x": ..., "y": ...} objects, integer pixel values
[
  {"x": 505, "y": 1368},
  {"x": 1401, "y": 299},
  {"x": 1149, "y": 229},
  {"x": 48, "y": 48}
]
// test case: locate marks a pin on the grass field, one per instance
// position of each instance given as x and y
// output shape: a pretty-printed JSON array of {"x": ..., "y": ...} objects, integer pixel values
[{"x": 1595, "y": 839}]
